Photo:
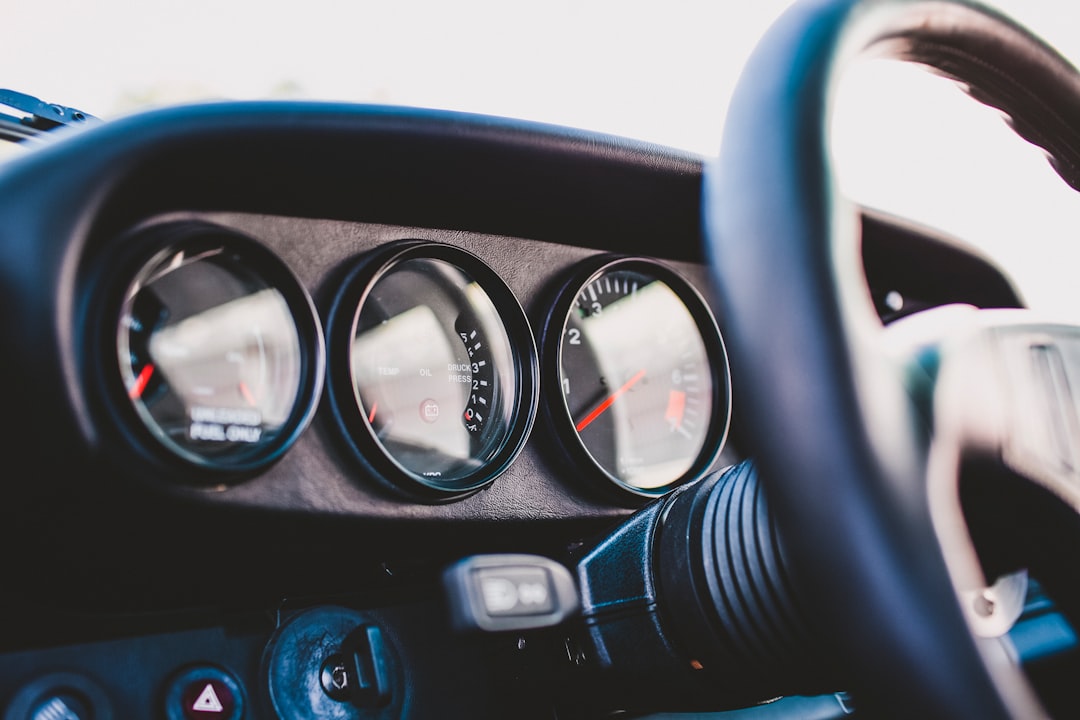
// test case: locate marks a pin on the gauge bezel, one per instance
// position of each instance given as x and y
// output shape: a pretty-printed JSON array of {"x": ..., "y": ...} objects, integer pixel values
[
  {"x": 145, "y": 249},
  {"x": 360, "y": 437},
  {"x": 558, "y": 413}
]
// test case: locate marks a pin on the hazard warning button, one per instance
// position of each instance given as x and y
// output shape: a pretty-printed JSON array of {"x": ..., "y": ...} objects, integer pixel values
[
  {"x": 204, "y": 693},
  {"x": 209, "y": 700}
]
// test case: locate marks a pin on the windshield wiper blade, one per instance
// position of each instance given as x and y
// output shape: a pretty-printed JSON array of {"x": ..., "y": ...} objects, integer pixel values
[{"x": 38, "y": 116}]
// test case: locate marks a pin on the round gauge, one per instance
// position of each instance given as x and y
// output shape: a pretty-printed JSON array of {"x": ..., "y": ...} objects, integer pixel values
[
  {"x": 435, "y": 375},
  {"x": 643, "y": 389},
  {"x": 219, "y": 349}
]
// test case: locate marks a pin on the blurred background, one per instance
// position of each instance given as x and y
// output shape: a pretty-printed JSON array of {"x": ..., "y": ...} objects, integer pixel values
[{"x": 904, "y": 141}]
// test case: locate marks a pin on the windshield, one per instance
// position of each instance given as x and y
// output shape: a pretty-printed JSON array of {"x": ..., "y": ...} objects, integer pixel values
[
  {"x": 657, "y": 71},
  {"x": 661, "y": 72}
]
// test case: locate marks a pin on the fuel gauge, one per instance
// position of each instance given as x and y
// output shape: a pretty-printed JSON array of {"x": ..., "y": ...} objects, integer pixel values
[{"x": 219, "y": 350}]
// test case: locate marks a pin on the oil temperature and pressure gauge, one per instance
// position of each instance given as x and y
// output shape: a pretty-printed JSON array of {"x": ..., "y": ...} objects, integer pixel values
[
  {"x": 220, "y": 351},
  {"x": 434, "y": 370},
  {"x": 642, "y": 389}
]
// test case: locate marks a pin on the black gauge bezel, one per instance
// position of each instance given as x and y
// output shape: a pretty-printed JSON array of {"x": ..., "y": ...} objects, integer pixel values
[
  {"x": 145, "y": 249},
  {"x": 558, "y": 412},
  {"x": 357, "y": 430}
]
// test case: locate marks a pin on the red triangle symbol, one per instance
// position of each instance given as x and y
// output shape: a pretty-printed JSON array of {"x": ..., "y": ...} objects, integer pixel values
[{"x": 208, "y": 701}]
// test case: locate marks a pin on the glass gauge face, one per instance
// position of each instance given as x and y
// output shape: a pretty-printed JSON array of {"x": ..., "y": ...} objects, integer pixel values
[
  {"x": 433, "y": 372},
  {"x": 636, "y": 368},
  {"x": 210, "y": 356}
]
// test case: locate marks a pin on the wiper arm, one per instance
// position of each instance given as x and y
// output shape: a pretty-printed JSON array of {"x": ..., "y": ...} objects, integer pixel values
[{"x": 38, "y": 116}]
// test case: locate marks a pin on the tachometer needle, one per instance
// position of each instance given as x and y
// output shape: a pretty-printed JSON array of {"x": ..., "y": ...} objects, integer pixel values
[
  {"x": 609, "y": 401},
  {"x": 143, "y": 378}
]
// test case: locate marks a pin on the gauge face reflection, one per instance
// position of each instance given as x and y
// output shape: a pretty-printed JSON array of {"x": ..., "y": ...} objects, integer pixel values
[
  {"x": 433, "y": 372},
  {"x": 637, "y": 379},
  {"x": 210, "y": 356}
]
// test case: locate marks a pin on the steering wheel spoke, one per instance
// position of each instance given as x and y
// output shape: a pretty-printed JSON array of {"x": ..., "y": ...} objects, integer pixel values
[
  {"x": 1004, "y": 400},
  {"x": 1040, "y": 373},
  {"x": 994, "y": 387},
  {"x": 1005, "y": 388}
]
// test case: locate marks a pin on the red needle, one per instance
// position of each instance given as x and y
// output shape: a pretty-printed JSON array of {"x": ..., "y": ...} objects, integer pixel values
[
  {"x": 610, "y": 401},
  {"x": 136, "y": 390},
  {"x": 246, "y": 392},
  {"x": 371, "y": 416}
]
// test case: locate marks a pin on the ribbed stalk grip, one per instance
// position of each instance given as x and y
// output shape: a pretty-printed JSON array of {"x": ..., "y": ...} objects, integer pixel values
[{"x": 723, "y": 585}]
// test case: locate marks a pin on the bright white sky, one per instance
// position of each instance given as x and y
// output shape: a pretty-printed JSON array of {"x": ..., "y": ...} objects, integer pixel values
[
  {"x": 661, "y": 71},
  {"x": 918, "y": 147}
]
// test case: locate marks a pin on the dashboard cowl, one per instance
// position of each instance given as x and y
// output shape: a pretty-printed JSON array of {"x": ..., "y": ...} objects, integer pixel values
[{"x": 66, "y": 205}]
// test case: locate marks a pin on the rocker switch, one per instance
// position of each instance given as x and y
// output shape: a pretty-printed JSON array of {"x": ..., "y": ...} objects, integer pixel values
[{"x": 497, "y": 593}]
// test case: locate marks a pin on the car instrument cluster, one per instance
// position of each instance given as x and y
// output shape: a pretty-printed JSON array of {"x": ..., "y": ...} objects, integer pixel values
[{"x": 431, "y": 370}]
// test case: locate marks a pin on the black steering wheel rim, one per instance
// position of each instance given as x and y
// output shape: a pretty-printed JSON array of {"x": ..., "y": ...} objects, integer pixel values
[{"x": 841, "y": 446}]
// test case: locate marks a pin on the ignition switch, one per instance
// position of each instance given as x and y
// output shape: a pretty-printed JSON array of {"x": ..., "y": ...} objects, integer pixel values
[
  {"x": 359, "y": 673},
  {"x": 333, "y": 663}
]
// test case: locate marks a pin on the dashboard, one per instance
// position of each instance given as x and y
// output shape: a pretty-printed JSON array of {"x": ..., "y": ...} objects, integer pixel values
[{"x": 275, "y": 366}]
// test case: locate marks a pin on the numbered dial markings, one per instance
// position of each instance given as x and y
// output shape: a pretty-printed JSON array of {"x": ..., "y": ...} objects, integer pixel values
[{"x": 643, "y": 376}]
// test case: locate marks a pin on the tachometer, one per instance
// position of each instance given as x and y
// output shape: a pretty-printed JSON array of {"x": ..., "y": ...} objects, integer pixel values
[
  {"x": 219, "y": 350},
  {"x": 642, "y": 390},
  {"x": 434, "y": 368}
]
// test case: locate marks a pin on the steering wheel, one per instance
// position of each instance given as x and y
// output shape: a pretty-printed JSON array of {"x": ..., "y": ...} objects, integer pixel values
[{"x": 863, "y": 441}]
